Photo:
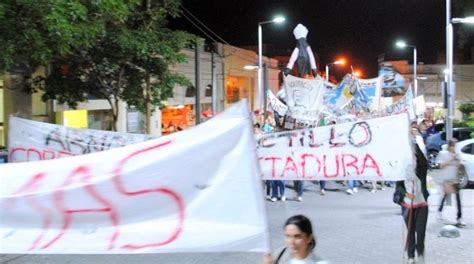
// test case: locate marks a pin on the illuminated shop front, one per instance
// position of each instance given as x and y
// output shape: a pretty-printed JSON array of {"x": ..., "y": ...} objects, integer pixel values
[
  {"x": 179, "y": 117},
  {"x": 237, "y": 88}
]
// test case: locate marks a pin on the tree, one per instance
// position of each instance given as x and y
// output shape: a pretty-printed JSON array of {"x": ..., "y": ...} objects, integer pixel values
[
  {"x": 466, "y": 108},
  {"x": 126, "y": 57},
  {"x": 35, "y": 32}
]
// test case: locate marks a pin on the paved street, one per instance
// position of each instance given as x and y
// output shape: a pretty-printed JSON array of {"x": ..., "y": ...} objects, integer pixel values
[{"x": 363, "y": 228}]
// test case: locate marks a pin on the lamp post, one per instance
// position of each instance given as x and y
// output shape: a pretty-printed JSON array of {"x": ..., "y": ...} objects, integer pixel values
[
  {"x": 338, "y": 62},
  {"x": 277, "y": 19},
  {"x": 402, "y": 44},
  {"x": 451, "y": 89}
]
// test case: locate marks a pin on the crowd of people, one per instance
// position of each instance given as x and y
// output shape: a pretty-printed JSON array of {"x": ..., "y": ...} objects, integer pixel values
[
  {"x": 413, "y": 201},
  {"x": 276, "y": 189}
]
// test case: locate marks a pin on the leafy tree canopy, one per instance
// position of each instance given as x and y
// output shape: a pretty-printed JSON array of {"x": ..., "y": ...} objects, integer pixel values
[
  {"x": 466, "y": 108},
  {"x": 109, "y": 49}
]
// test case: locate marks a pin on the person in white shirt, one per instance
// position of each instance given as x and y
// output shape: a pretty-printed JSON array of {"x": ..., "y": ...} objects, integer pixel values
[{"x": 449, "y": 168}]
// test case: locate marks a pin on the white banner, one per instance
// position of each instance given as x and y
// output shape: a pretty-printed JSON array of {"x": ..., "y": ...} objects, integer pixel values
[
  {"x": 405, "y": 104},
  {"x": 275, "y": 104},
  {"x": 305, "y": 98},
  {"x": 193, "y": 191},
  {"x": 392, "y": 81},
  {"x": 31, "y": 140},
  {"x": 420, "y": 105},
  {"x": 368, "y": 94},
  {"x": 374, "y": 149}
]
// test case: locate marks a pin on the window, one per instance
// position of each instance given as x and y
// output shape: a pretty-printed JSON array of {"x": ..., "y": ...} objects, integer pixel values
[
  {"x": 467, "y": 149},
  {"x": 463, "y": 135},
  {"x": 208, "y": 91},
  {"x": 190, "y": 91}
]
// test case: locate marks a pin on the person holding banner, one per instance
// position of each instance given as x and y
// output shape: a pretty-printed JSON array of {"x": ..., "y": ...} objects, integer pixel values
[
  {"x": 303, "y": 56},
  {"x": 301, "y": 243},
  {"x": 415, "y": 206},
  {"x": 277, "y": 187}
]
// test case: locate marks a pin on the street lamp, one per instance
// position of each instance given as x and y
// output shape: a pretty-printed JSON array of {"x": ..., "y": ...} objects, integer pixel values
[
  {"x": 402, "y": 44},
  {"x": 465, "y": 20},
  {"x": 250, "y": 67},
  {"x": 277, "y": 19},
  {"x": 338, "y": 62},
  {"x": 357, "y": 73},
  {"x": 451, "y": 89}
]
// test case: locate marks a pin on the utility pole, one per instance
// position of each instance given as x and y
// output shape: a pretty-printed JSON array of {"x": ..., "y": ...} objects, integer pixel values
[
  {"x": 265, "y": 89},
  {"x": 213, "y": 81},
  {"x": 197, "y": 83}
]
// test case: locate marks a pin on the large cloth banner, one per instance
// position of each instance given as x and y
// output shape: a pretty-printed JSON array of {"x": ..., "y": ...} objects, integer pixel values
[
  {"x": 304, "y": 98},
  {"x": 354, "y": 95},
  {"x": 341, "y": 95},
  {"x": 31, "y": 140},
  {"x": 275, "y": 104},
  {"x": 374, "y": 149},
  {"x": 392, "y": 82},
  {"x": 405, "y": 104},
  {"x": 366, "y": 95},
  {"x": 194, "y": 191}
]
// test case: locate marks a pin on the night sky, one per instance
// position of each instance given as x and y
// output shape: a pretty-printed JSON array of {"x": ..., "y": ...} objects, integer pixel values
[{"x": 359, "y": 30}]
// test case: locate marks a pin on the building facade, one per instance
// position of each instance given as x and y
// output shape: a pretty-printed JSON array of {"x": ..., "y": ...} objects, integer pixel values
[
  {"x": 241, "y": 76},
  {"x": 232, "y": 82},
  {"x": 431, "y": 79}
]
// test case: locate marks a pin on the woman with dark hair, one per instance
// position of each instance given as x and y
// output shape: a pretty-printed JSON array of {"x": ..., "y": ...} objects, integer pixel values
[
  {"x": 415, "y": 205},
  {"x": 300, "y": 242}
]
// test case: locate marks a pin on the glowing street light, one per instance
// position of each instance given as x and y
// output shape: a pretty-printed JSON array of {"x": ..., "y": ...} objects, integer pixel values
[
  {"x": 451, "y": 92},
  {"x": 465, "y": 20},
  {"x": 278, "y": 20},
  {"x": 250, "y": 67},
  {"x": 403, "y": 44},
  {"x": 357, "y": 73},
  {"x": 338, "y": 62}
]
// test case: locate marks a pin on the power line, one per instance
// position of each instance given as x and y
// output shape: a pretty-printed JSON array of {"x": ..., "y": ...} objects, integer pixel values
[
  {"x": 248, "y": 58},
  {"x": 206, "y": 27}
]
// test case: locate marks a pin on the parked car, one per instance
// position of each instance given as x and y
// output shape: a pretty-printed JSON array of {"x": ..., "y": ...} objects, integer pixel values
[
  {"x": 434, "y": 142},
  {"x": 465, "y": 152}
]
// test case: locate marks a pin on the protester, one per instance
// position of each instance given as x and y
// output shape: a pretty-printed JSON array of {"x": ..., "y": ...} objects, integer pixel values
[
  {"x": 430, "y": 131},
  {"x": 322, "y": 186},
  {"x": 301, "y": 243},
  {"x": 423, "y": 126},
  {"x": 351, "y": 187},
  {"x": 375, "y": 184},
  {"x": 415, "y": 206},
  {"x": 303, "y": 57},
  {"x": 278, "y": 191},
  {"x": 256, "y": 129},
  {"x": 449, "y": 169},
  {"x": 298, "y": 185},
  {"x": 269, "y": 125}
]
